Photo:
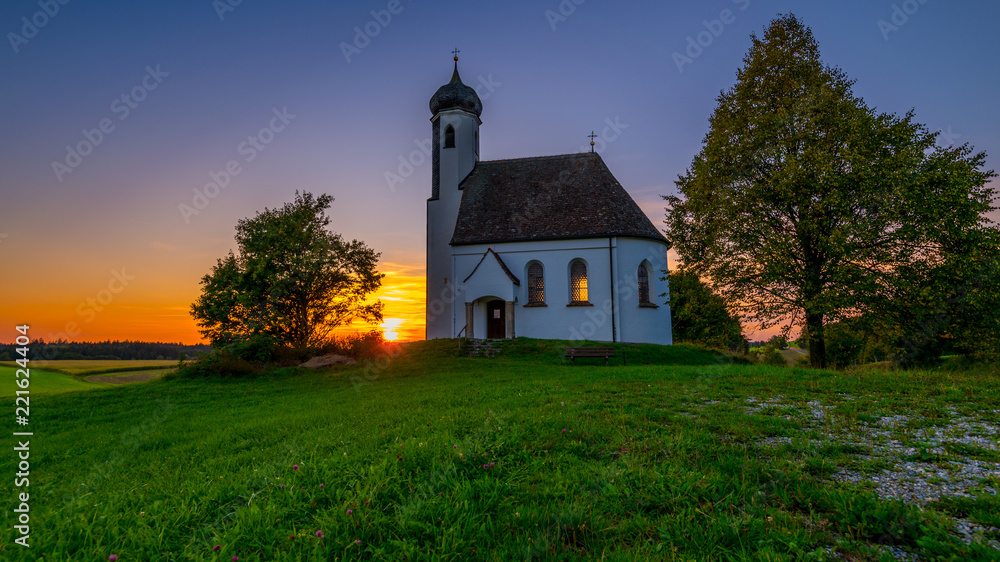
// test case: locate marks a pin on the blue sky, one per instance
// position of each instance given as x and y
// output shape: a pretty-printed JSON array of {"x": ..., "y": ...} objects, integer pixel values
[{"x": 549, "y": 72}]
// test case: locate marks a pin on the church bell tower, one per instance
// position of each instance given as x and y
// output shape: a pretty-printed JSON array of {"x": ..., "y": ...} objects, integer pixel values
[{"x": 455, "y": 110}]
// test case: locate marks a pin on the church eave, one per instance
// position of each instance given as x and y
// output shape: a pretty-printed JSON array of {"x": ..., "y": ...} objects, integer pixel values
[{"x": 661, "y": 239}]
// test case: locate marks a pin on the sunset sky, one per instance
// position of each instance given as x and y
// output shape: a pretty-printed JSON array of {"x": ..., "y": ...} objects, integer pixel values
[{"x": 156, "y": 98}]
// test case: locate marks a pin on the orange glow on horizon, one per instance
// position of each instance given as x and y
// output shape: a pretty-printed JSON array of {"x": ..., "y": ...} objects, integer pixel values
[
  {"x": 162, "y": 313},
  {"x": 165, "y": 317}
]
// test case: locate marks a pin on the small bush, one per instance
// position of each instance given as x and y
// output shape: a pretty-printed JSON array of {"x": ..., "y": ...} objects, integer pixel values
[
  {"x": 771, "y": 356},
  {"x": 962, "y": 363},
  {"x": 358, "y": 346},
  {"x": 256, "y": 349},
  {"x": 740, "y": 358},
  {"x": 285, "y": 355},
  {"x": 220, "y": 363}
]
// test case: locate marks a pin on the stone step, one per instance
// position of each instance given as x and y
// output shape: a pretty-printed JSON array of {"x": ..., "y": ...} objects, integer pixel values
[{"x": 483, "y": 347}]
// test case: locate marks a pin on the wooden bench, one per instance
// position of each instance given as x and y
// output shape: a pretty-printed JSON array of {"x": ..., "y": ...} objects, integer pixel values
[{"x": 592, "y": 351}]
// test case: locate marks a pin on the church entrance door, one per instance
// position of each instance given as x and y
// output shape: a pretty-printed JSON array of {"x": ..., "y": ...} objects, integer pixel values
[{"x": 496, "y": 321}]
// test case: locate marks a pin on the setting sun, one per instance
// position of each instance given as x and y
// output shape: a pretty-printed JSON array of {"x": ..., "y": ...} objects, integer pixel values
[{"x": 389, "y": 328}]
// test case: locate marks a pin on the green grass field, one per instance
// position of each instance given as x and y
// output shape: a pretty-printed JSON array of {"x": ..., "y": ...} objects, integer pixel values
[
  {"x": 426, "y": 455},
  {"x": 42, "y": 381}
]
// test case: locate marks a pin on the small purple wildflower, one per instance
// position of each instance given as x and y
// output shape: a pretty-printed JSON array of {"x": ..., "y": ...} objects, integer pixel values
[
  {"x": 454, "y": 446},
  {"x": 349, "y": 512},
  {"x": 320, "y": 485},
  {"x": 113, "y": 557},
  {"x": 295, "y": 467},
  {"x": 319, "y": 534},
  {"x": 564, "y": 431},
  {"x": 357, "y": 542},
  {"x": 216, "y": 547},
  {"x": 235, "y": 558}
]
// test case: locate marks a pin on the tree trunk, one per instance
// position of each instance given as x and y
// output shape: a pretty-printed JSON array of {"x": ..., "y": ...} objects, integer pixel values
[
  {"x": 817, "y": 344},
  {"x": 304, "y": 332}
]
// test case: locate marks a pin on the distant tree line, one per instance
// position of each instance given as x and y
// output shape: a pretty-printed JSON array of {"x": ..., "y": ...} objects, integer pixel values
[{"x": 108, "y": 350}]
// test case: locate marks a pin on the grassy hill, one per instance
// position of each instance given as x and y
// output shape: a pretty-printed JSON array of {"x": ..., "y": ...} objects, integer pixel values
[{"x": 422, "y": 454}]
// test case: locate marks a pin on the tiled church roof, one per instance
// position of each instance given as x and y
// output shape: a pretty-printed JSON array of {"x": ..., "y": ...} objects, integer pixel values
[{"x": 547, "y": 198}]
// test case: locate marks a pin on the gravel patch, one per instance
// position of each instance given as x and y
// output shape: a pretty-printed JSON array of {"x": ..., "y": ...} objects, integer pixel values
[{"x": 919, "y": 474}]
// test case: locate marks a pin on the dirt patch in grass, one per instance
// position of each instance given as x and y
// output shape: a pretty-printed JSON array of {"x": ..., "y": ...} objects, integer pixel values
[{"x": 129, "y": 377}]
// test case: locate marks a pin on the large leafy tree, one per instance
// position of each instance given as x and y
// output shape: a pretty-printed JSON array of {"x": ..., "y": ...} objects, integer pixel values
[
  {"x": 701, "y": 316},
  {"x": 805, "y": 203},
  {"x": 292, "y": 281}
]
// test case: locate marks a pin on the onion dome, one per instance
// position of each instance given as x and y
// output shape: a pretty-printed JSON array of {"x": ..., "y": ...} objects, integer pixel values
[{"x": 456, "y": 95}]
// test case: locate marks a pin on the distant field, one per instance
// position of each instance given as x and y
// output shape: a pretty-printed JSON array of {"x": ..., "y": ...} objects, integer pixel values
[
  {"x": 128, "y": 376},
  {"x": 792, "y": 356},
  {"x": 41, "y": 382},
  {"x": 88, "y": 367}
]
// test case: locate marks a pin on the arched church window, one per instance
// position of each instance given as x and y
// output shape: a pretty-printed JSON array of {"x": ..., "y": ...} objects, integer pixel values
[
  {"x": 449, "y": 137},
  {"x": 643, "y": 275},
  {"x": 578, "y": 281},
  {"x": 536, "y": 283}
]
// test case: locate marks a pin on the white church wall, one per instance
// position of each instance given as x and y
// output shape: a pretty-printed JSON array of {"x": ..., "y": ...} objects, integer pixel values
[
  {"x": 635, "y": 323},
  {"x": 556, "y": 320},
  {"x": 439, "y": 299}
]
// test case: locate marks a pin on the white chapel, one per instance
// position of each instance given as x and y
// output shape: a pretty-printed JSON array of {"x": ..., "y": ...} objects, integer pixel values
[{"x": 546, "y": 247}]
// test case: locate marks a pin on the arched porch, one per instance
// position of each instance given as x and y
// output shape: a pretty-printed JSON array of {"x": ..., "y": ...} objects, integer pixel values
[{"x": 489, "y": 317}]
